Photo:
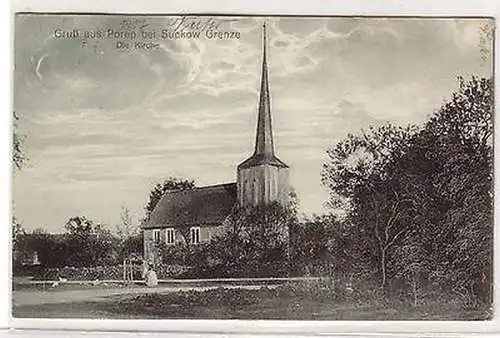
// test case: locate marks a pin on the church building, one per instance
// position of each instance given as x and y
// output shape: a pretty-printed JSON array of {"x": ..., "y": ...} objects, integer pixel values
[{"x": 196, "y": 215}]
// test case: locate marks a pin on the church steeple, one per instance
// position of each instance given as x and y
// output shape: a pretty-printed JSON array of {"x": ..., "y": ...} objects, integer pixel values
[
  {"x": 264, "y": 144},
  {"x": 263, "y": 178}
]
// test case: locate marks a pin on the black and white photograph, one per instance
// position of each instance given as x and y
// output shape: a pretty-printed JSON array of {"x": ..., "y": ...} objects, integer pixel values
[{"x": 305, "y": 168}]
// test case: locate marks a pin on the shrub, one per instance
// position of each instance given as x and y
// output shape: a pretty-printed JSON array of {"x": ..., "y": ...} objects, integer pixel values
[{"x": 114, "y": 272}]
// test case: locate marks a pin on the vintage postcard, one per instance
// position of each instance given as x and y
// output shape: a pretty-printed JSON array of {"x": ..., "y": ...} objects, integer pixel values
[{"x": 252, "y": 167}]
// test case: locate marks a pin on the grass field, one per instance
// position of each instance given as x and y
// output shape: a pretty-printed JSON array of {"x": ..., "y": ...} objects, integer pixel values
[{"x": 265, "y": 303}]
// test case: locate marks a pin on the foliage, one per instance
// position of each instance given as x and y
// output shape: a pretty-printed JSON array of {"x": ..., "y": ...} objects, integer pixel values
[
  {"x": 52, "y": 250},
  {"x": 356, "y": 172},
  {"x": 17, "y": 233},
  {"x": 255, "y": 241},
  {"x": 130, "y": 237},
  {"x": 182, "y": 254},
  {"x": 131, "y": 245},
  {"x": 220, "y": 297},
  {"x": 170, "y": 184},
  {"x": 89, "y": 243},
  {"x": 462, "y": 232},
  {"x": 84, "y": 244},
  {"x": 299, "y": 301},
  {"x": 309, "y": 245},
  {"x": 18, "y": 153},
  {"x": 420, "y": 199},
  {"x": 107, "y": 272},
  {"x": 126, "y": 228}
]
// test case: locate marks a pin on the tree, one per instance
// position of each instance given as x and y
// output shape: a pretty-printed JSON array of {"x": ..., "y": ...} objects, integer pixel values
[
  {"x": 18, "y": 243},
  {"x": 79, "y": 226},
  {"x": 356, "y": 173},
  {"x": 421, "y": 200},
  {"x": 19, "y": 160},
  {"x": 51, "y": 249},
  {"x": 413, "y": 263},
  {"x": 255, "y": 241},
  {"x": 462, "y": 231},
  {"x": 17, "y": 233},
  {"x": 90, "y": 244},
  {"x": 18, "y": 155},
  {"x": 129, "y": 235},
  {"x": 132, "y": 245},
  {"x": 126, "y": 228},
  {"x": 170, "y": 184},
  {"x": 450, "y": 166}
]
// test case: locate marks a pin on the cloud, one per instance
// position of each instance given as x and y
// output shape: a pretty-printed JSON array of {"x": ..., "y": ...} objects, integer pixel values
[{"x": 103, "y": 125}]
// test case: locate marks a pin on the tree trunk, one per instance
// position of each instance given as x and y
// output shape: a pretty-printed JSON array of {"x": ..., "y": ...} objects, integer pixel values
[
  {"x": 415, "y": 295},
  {"x": 382, "y": 268}
]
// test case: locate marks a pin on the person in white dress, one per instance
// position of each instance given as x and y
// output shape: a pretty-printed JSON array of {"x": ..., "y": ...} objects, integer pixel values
[{"x": 151, "y": 278}]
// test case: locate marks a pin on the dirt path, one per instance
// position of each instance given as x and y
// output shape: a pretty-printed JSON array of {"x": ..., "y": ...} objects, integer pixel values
[{"x": 37, "y": 297}]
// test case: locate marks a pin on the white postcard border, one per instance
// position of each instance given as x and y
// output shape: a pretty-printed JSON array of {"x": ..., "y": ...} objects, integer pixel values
[{"x": 316, "y": 7}]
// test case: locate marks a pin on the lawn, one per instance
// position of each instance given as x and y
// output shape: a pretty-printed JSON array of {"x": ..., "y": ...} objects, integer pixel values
[{"x": 282, "y": 303}]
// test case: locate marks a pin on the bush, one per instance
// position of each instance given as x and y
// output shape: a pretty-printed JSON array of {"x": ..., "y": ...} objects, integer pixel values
[
  {"x": 80, "y": 273},
  {"x": 237, "y": 270},
  {"x": 114, "y": 272},
  {"x": 219, "y": 297}
]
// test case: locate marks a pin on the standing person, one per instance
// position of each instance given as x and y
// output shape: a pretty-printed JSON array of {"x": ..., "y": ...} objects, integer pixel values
[{"x": 151, "y": 278}]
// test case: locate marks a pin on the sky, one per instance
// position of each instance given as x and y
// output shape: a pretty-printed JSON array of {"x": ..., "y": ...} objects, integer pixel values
[{"x": 103, "y": 125}]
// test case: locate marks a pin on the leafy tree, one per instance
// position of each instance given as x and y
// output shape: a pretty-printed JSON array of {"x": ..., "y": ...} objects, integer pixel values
[
  {"x": 18, "y": 243},
  {"x": 18, "y": 155},
  {"x": 467, "y": 119},
  {"x": 130, "y": 237},
  {"x": 89, "y": 244},
  {"x": 19, "y": 160},
  {"x": 170, "y": 184},
  {"x": 356, "y": 173},
  {"x": 79, "y": 226},
  {"x": 310, "y": 239},
  {"x": 52, "y": 250},
  {"x": 421, "y": 201},
  {"x": 462, "y": 230},
  {"x": 255, "y": 241},
  {"x": 17, "y": 233},
  {"x": 132, "y": 245},
  {"x": 413, "y": 263},
  {"x": 126, "y": 228}
]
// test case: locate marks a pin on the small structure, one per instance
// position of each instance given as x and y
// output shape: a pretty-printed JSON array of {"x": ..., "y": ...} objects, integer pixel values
[
  {"x": 131, "y": 265},
  {"x": 31, "y": 259}
]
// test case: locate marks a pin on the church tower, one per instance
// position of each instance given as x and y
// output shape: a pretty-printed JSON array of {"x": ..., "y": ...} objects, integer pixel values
[{"x": 263, "y": 178}]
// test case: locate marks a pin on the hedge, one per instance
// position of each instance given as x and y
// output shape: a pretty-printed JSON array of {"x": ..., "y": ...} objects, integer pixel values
[{"x": 114, "y": 272}]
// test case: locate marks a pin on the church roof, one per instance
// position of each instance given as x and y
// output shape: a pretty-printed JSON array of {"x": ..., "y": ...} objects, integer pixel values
[
  {"x": 264, "y": 144},
  {"x": 260, "y": 159},
  {"x": 198, "y": 206}
]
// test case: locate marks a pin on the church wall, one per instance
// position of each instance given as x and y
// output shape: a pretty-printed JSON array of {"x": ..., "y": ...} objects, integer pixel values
[
  {"x": 207, "y": 233},
  {"x": 262, "y": 184},
  {"x": 249, "y": 184},
  {"x": 283, "y": 185},
  {"x": 151, "y": 253}
]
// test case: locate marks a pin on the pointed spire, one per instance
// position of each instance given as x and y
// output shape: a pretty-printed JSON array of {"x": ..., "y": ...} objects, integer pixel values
[
  {"x": 264, "y": 144},
  {"x": 264, "y": 139}
]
